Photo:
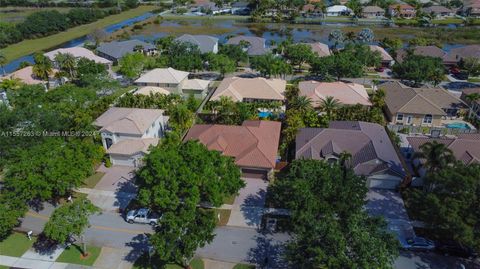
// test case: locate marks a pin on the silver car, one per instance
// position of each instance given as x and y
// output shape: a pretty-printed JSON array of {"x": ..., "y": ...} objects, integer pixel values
[{"x": 142, "y": 215}]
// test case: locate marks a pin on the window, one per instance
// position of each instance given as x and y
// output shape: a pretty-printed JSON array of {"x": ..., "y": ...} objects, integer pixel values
[
  {"x": 427, "y": 119},
  {"x": 399, "y": 117}
]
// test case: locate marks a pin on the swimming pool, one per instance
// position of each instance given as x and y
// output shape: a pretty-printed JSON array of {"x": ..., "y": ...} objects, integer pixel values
[
  {"x": 458, "y": 125},
  {"x": 264, "y": 114}
]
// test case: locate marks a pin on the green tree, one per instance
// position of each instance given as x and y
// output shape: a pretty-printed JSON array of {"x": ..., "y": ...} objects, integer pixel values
[
  {"x": 450, "y": 206},
  {"x": 70, "y": 219},
  {"x": 346, "y": 237},
  {"x": 3, "y": 62},
  {"x": 234, "y": 52},
  {"x": 42, "y": 68},
  {"x": 175, "y": 179},
  {"x": 181, "y": 118},
  {"x": 301, "y": 103},
  {"x": 131, "y": 65},
  {"x": 220, "y": 63},
  {"x": 269, "y": 65},
  {"x": 67, "y": 63},
  {"x": 435, "y": 156},
  {"x": 329, "y": 105},
  {"x": 341, "y": 64},
  {"x": 391, "y": 44},
  {"x": 336, "y": 37},
  {"x": 471, "y": 65},
  {"x": 356, "y": 7},
  {"x": 298, "y": 54},
  {"x": 420, "y": 69}
]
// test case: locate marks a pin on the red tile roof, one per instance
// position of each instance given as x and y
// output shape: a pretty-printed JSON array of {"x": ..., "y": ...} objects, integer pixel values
[{"x": 254, "y": 144}]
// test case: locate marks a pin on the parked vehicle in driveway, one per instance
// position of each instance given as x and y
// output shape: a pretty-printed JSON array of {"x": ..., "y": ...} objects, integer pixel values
[
  {"x": 419, "y": 244},
  {"x": 455, "y": 249},
  {"x": 142, "y": 215}
]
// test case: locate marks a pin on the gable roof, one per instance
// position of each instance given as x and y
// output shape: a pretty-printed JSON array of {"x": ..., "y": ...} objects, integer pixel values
[
  {"x": 132, "y": 146},
  {"x": 205, "y": 43},
  {"x": 196, "y": 84},
  {"x": 368, "y": 143},
  {"x": 321, "y": 49},
  {"x": 78, "y": 52},
  {"x": 383, "y": 53},
  {"x": 345, "y": 93},
  {"x": 163, "y": 75},
  {"x": 25, "y": 75},
  {"x": 118, "y": 49},
  {"x": 465, "y": 147},
  {"x": 253, "y": 88},
  {"x": 257, "y": 44},
  {"x": 400, "y": 98},
  {"x": 147, "y": 90},
  {"x": 432, "y": 51},
  {"x": 253, "y": 144},
  {"x": 127, "y": 120}
]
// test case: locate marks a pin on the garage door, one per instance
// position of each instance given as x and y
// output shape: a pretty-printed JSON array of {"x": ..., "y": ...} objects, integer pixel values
[
  {"x": 383, "y": 183},
  {"x": 122, "y": 160},
  {"x": 253, "y": 173}
]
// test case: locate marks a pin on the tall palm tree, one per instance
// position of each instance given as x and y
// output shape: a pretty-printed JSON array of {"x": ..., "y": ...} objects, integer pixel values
[
  {"x": 329, "y": 105},
  {"x": 3, "y": 62},
  {"x": 42, "y": 67},
  {"x": 435, "y": 156},
  {"x": 301, "y": 103}
]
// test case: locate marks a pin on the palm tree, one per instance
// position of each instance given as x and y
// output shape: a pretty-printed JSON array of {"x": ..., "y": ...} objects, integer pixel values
[
  {"x": 302, "y": 103},
  {"x": 3, "y": 62},
  {"x": 67, "y": 63},
  {"x": 10, "y": 84},
  {"x": 42, "y": 67},
  {"x": 329, "y": 105},
  {"x": 378, "y": 98},
  {"x": 435, "y": 156}
]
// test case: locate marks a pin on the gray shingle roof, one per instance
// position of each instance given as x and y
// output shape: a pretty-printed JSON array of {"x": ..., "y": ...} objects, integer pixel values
[
  {"x": 204, "y": 42},
  {"x": 118, "y": 49},
  {"x": 257, "y": 44},
  {"x": 368, "y": 143}
]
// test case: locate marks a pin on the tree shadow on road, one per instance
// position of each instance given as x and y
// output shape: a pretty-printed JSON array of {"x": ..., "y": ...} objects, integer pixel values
[
  {"x": 44, "y": 245},
  {"x": 138, "y": 246},
  {"x": 124, "y": 193},
  {"x": 252, "y": 208},
  {"x": 267, "y": 254}
]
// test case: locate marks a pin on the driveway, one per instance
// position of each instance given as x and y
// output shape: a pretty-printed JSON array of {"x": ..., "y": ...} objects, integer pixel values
[{"x": 247, "y": 209}]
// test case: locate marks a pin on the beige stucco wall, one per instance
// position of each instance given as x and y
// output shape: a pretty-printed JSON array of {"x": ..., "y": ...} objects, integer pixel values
[{"x": 417, "y": 120}]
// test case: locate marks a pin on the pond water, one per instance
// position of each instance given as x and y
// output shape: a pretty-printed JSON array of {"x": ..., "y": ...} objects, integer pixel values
[{"x": 272, "y": 32}]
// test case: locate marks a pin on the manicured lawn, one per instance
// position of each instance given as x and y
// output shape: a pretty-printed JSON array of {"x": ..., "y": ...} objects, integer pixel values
[
  {"x": 73, "y": 255},
  {"x": 474, "y": 80},
  {"x": 40, "y": 44},
  {"x": 92, "y": 180},
  {"x": 16, "y": 245},
  {"x": 244, "y": 266},
  {"x": 224, "y": 216},
  {"x": 143, "y": 263}
]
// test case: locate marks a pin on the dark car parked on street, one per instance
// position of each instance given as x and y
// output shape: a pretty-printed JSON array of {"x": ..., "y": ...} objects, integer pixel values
[{"x": 455, "y": 249}]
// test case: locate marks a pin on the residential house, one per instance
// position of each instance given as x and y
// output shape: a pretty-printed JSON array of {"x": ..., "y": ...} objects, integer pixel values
[
  {"x": 465, "y": 148},
  {"x": 253, "y": 145},
  {"x": 115, "y": 50},
  {"x": 338, "y": 10},
  {"x": 149, "y": 90},
  {"x": 241, "y": 8},
  {"x": 320, "y": 49},
  {"x": 344, "y": 93},
  {"x": 386, "y": 59},
  {"x": 456, "y": 55},
  {"x": 173, "y": 81},
  {"x": 419, "y": 106},
  {"x": 438, "y": 11},
  {"x": 373, "y": 154},
  {"x": 474, "y": 105},
  {"x": 431, "y": 51},
  {"x": 471, "y": 8},
  {"x": 204, "y": 42},
  {"x": 251, "y": 89},
  {"x": 310, "y": 10},
  {"x": 254, "y": 45},
  {"x": 373, "y": 12},
  {"x": 127, "y": 133},
  {"x": 26, "y": 76},
  {"x": 78, "y": 52},
  {"x": 402, "y": 11}
]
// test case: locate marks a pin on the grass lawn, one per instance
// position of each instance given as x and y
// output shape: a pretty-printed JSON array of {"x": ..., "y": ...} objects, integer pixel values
[
  {"x": 39, "y": 44},
  {"x": 143, "y": 263},
  {"x": 224, "y": 216},
  {"x": 92, "y": 180},
  {"x": 474, "y": 80},
  {"x": 4, "y": 267},
  {"x": 16, "y": 245},
  {"x": 73, "y": 255},
  {"x": 244, "y": 266},
  {"x": 229, "y": 200}
]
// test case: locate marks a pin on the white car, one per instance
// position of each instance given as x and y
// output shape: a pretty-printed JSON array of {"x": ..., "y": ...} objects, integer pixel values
[{"x": 142, "y": 215}]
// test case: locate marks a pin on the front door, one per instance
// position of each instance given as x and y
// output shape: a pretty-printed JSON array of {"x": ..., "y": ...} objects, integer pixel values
[{"x": 409, "y": 119}]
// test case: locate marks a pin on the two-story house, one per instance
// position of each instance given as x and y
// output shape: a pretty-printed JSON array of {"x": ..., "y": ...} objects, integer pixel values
[
  {"x": 127, "y": 133},
  {"x": 251, "y": 89}
]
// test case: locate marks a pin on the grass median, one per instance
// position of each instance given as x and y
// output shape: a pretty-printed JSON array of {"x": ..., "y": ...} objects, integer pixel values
[
  {"x": 40, "y": 44},
  {"x": 16, "y": 244}
]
